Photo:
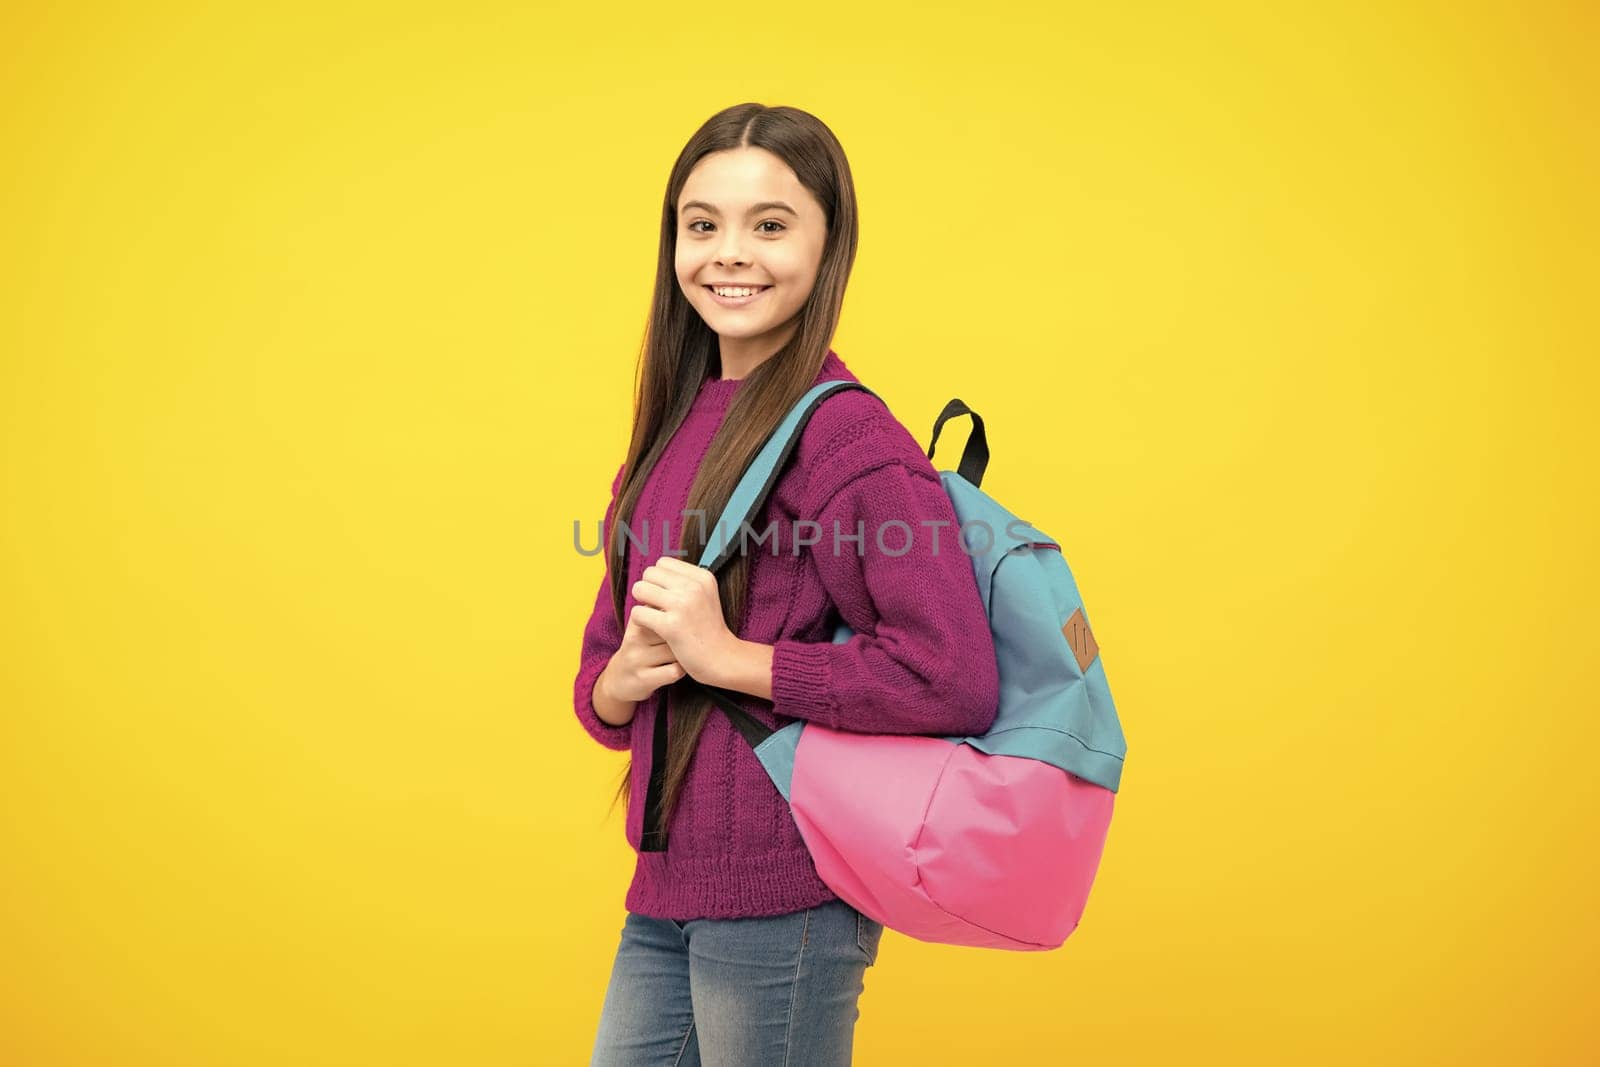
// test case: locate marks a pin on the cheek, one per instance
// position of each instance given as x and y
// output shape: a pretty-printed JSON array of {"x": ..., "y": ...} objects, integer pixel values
[
  {"x": 801, "y": 264},
  {"x": 687, "y": 265},
  {"x": 798, "y": 277},
  {"x": 692, "y": 292},
  {"x": 794, "y": 294}
]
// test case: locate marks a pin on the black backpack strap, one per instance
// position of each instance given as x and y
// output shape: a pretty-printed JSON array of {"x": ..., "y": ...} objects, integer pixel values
[{"x": 975, "y": 457}]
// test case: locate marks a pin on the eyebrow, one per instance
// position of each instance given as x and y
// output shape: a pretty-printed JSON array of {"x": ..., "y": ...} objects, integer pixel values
[{"x": 765, "y": 205}]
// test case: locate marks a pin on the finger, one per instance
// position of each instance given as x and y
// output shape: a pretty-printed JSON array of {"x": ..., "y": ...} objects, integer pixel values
[
  {"x": 683, "y": 569},
  {"x": 665, "y": 577},
  {"x": 664, "y": 675},
  {"x": 665, "y": 568},
  {"x": 640, "y": 634},
  {"x": 695, "y": 575},
  {"x": 650, "y": 593},
  {"x": 650, "y": 617}
]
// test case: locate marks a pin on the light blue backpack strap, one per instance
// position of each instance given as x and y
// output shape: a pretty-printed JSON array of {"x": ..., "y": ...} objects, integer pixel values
[{"x": 753, "y": 487}]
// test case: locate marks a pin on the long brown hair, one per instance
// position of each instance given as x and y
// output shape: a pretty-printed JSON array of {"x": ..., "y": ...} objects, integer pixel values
[{"x": 680, "y": 351}]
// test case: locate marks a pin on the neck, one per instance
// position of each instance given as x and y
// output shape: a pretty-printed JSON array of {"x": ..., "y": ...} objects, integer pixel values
[{"x": 741, "y": 355}]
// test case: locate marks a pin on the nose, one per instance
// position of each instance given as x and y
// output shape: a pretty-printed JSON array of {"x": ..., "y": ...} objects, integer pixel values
[{"x": 729, "y": 250}]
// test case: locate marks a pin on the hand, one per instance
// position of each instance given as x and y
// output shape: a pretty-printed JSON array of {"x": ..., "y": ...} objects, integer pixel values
[
  {"x": 641, "y": 664},
  {"x": 679, "y": 600}
]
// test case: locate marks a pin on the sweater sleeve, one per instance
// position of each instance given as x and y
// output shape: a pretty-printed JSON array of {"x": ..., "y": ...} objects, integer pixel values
[
  {"x": 922, "y": 659},
  {"x": 601, "y": 638}
]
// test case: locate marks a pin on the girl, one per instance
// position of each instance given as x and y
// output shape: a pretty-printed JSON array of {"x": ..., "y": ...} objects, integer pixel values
[{"x": 733, "y": 951}]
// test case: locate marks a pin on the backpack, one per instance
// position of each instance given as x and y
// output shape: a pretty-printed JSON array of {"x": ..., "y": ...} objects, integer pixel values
[{"x": 990, "y": 841}]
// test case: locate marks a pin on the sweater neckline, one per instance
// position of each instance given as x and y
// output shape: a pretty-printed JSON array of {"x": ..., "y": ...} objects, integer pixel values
[{"x": 718, "y": 393}]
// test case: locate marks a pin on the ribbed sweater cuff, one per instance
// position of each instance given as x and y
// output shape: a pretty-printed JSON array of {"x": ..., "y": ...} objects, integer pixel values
[
  {"x": 613, "y": 737},
  {"x": 802, "y": 683}
]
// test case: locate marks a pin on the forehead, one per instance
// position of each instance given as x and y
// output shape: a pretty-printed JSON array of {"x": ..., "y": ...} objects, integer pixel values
[{"x": 736, "y": 177}]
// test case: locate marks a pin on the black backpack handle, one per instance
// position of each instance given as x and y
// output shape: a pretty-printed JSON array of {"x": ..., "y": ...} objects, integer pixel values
[{"x": 975, "y": 457}]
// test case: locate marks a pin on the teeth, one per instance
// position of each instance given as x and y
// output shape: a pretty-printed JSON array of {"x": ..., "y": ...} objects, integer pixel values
[{"x": 745, "y": 291}]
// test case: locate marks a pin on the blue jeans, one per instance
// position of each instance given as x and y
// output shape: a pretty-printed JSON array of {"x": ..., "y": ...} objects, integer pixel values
[{"x": 777, "y": 990}]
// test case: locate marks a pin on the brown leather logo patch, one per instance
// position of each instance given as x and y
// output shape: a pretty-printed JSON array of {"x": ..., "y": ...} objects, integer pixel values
[{"x": 1084, "y": 647}]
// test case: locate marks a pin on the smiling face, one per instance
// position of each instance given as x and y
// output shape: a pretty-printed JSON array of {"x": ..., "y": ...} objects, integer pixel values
[{"x": 745, "y": 221}]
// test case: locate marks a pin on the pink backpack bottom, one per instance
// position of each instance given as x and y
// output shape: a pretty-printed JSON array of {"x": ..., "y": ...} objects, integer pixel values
[{"x": 947, "y": 844}]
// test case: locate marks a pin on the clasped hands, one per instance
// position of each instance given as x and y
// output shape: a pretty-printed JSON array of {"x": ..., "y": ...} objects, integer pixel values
[{"x": 675, "y": 628}]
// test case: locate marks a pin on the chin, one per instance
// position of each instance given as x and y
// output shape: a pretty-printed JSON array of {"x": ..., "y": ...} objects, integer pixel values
[{"x": 732, "y": 326}]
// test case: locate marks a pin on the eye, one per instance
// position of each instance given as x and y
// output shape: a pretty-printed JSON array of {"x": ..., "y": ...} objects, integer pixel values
[{"x": 768, "y": 222}]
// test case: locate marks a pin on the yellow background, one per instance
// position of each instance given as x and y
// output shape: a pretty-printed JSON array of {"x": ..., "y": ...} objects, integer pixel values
[{"x": 318, "y": 327}]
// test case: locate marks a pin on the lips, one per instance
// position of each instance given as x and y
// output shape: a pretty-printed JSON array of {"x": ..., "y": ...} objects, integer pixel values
[{"x": 739, "y": 301}]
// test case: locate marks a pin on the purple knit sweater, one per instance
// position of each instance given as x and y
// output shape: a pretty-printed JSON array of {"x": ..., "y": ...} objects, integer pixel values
[{"x": 922, "y": 660}]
